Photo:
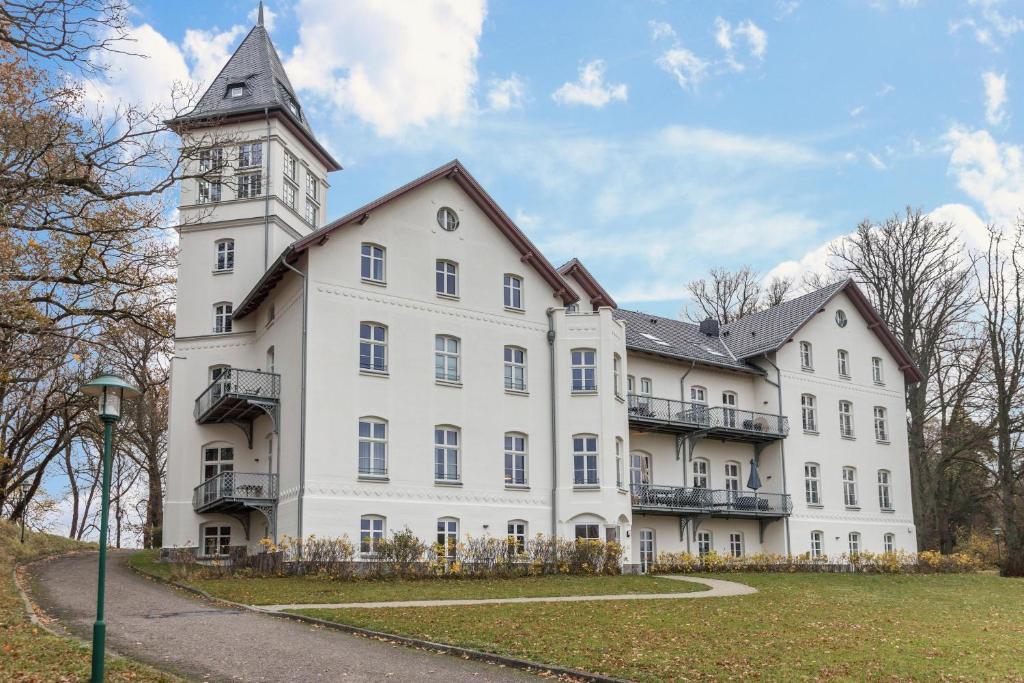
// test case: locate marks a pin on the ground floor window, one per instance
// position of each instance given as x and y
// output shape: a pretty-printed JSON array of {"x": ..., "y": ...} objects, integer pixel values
[
  {"x": 854, "y": 543},
  {"x": 736, "y": 544},
  {"x": 646, "y": 549},
  {"x": 703, "y": 543},
  {"x": 517, "y": 536},
  {"x": 889, "y": 543},
  {"x": 448, "y": 536},
  {"x": 216, "y": 540},
  {"x": 371, "y": 532},
  {"x": 588, "y": 532},
  {"x": 817, "y": 542}
]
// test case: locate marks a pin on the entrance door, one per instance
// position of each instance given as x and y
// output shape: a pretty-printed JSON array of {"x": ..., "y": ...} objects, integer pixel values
[{"x": 646, "y": 549}]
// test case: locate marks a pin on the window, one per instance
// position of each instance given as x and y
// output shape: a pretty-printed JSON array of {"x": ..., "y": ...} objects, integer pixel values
[
  {"x": 312, "y": 187},
  {"x": 889, "y": 543},
  {"x": 876, "y": 371},
  {"x": 250, "y": 185},
  {"x": 209, "y": 191},
  {"x": 846, "y": 419},
  {"x": 639, "y": 469},
  {"x": 809, "y": 412},
  {"x": 732, "y": 477},
  {"x": 371, "y": 532},
  {"x": 736, "y": 544},
  {"x": 701, "y": 468},
  {"x": 225, "y": 255},
  {"x": 812, "y": 483},
  {"x": 647, "y": 553},
  {"x": 216, "y": 540},
  {"x": 806, "y": 359},
  {"x": 644, "y": 400},
  {"x": 220, "y": 375},
  {"x": 584, "y": 460},
  {"x": 618, "y": 462},
  {"x": 513, "y": 292},
  {"x": 312, "y": 214},
  {"x": 271, "y": 314},
  {"x": 517, "y": 536},
  {"x": 881, "y": 424},
  {"x": 289, "y": 167},
  {"x": 236, "y": 90},
  {"x": 288, "y": 195},
  {"x": 222, "y": 317},
  {"x": 446, "y": 278},
  {"x": 515, "y": 459},
  {"x": 843, "y": 361},
  {"x": 841, "y": 318},
  {"x": 588, "y": 532},
  {"x": 373, "y": 447},
  {"x": 371, "y": 262},
  {"x": 515, "y": 368},
  {"x": 448, "y": 537},
  {"x": 211, "y": 159},
  {"x": 217, "y": 459},
  {"x": 703, "y": 543},
  {"x": 447, "y": 218},
  {"x": 446, "y": 358},
  {"x": 817, "y": 545},
  {"x": 446, "y": 453},
  {"x": 584, "y": 370},
  {"x": 729, "y": 409},
  {"x": 884, "y": 489},
  {"x": 270, "y": 359},
  {"x": 373, "y": 347},
  {"x": 854, "y": 543},
  {"x": 250, "y": 155},
  {"x": 617, "y": 374},
  {"x": 630, "y": 384},
  {"x": 850, "y": 487}
]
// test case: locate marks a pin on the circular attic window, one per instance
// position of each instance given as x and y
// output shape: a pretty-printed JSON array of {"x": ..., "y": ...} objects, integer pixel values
[
  {"x": 447, "y": 218},
  {"x": 841, "y": 318}
]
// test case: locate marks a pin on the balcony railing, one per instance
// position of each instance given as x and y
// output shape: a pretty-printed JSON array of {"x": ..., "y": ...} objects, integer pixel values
[
  {"x": 687, "y": 416},
  {"x": 236, "y": 394},
  {"x": 235, "y": 489},
  {"x": 714, "y": 502}
]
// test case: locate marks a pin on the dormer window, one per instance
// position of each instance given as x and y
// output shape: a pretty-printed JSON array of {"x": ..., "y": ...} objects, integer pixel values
[{"x": 236, "y": 90}]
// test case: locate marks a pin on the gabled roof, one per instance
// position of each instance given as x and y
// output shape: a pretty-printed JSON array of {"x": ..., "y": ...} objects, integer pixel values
[
  {"x": 453, "y": 170},
  {"x": 677, "y": 339},
  {"x": 598, "y": 295},
  {"x": 257, "y": 66}
]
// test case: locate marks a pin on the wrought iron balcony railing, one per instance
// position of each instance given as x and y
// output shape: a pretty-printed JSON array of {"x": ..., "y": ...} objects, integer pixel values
[
  {"x": 697, "y": 416},
  {"x": 234, "y": 394},
  {"x": 235, "y": 489},
  {"x": 714, "y": 502}
]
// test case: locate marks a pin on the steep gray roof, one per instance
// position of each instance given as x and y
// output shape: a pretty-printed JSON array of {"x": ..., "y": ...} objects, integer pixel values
[
  {"x": 676, "y": 339},
  {"x": 769, "y": 329}
]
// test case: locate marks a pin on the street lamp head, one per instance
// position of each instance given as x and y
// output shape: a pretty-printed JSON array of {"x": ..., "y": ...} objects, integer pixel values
[{"x": 110, "y": 391}]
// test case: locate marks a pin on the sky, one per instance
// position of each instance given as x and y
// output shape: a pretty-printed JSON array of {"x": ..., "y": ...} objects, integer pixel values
[{"x": 652, "y": 140}]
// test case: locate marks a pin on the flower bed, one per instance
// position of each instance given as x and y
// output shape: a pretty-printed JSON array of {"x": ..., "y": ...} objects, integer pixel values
[{"x": 900, "y": 562}]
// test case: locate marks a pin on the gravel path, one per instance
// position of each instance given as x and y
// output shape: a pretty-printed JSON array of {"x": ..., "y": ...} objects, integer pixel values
[
  {"x": 176, "y": 631},
  {"x": 717, "y": 588}
]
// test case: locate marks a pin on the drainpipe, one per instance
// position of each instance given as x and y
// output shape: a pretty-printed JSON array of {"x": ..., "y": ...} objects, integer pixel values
[
  {"x": 266, "y": 199},
  {"x": 554, "y": 423},
  {"x": 686, "y": 455},
  {"x": 782, "y": 442},
  {"x": 302, "y": 399}
]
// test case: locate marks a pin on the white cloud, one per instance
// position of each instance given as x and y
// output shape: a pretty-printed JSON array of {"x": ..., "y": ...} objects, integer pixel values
[
  {"x": 995, "y": 97},
  {"x": 990, "y": 27},
  {"x": 857, "y": 111},
  {"x": 269, "y": 17},
  {"x": 208, "y": 51},
  {"x": 689, "y": 69},
  {"x": 989, "y": 172},
  {"x": 723, "y": 34},
  {"x": 393, "y": 65},
  {"x": 876, "y": 162},
  {"x": 726, "y": 38},
  {"x": 661, "y": 29},
  {"x": 726, "y": 145},
  {"x": 506, "y": 93},
  {"x": 757, "y": 39},
  {"x": 783, "y": 8},
  {"x": 591, "y": 89}
]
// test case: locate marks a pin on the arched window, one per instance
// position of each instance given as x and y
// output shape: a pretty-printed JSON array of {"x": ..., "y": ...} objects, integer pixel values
[
  {"x": 515, "y": 368},
  {"x": 885, "y": 489},
  {"x": 225, "y": 262},
  {"x": 446, "y": 278},
  {"x": 515, "y": 459},
  {"x": 447, "y": 441},
  {"x": 373, "y": 347},
  {"x": 809, "y": 412},
  {"x": 639, "y": 468},
  {"x": 846, "y": 419},
  {"x": 371, "y": 532},
  {"x": 446, "y": 358},
  {"x": 729, "y": 409},
  {"x": 584, "y": 370},
  {"x": 854, "y": 539},
  {"x": 218, "y": 457},
  {"x": 373, "y": 447},
  {"x": 817, "y": 545},
  {"x": 371, "y": 263},
  {"x": 517, "y": 536},
  {"x": 843, "y": 361},
  {"x": 806, "y": 357},
  {"x": 701, "y": 473},
  {"x": 877, "y": 372},
  {"x": 812, "y": 483},
  {"x": 699, "y": 395},
  {"x": 584, "y": 459},
  {"x": 617, "y": 374},
  {"x": 850, "y": 487},
  {"x": 889, "y": 543},
  {"x": 618, "y": 461},
  {"x": 222, "y": 317},
  {"x": 448, "y": 537}
]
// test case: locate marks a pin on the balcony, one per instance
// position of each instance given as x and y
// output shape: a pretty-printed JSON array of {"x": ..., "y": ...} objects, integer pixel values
[
  {"x": 231, "y": 492},
  {"x": 681, "y": 417},
  {"x": 239, "y": 397},
  {"x": 690, "y": 501}
]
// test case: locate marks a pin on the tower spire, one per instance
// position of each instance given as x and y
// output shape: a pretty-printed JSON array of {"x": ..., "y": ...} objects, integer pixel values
[{"x": 259, "y": 18}]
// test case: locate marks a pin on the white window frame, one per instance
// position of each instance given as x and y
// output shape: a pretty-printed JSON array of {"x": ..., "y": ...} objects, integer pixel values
[
  {"x": 289, "y": 195},
  {"x": 250, "y": 155},
  {"x": 853, "y": 539},
  {"x": 311, "y": 213},
  {"x": 699, "y": 395},
  {"x": 372, "y": 530},
  {"x": 222, "y": 323},
  {"x": 447, "y": 453},
  {"x": 806, "y": 356},
  {"x": 733, "y": 480},
  {"x": 517, "y": 473},
  {"x": 812, "y": 483},
  {"x": 373, "y": 347},
  {"x": 843, "y": 363},
  {"x": 513, "y": 291},
  {"x": 850, "y": 497},
  {"x": 885, "y": 490},
  {"x": 224, "y": 255},
  {"x": 446, "y": 278},
  {"x": 617, "y": 374},
  {"x": 888, "y": 542},
  {"x": 729, "y": 403},
  {"x": 846, "y": 426},
  {"x": 705, "y": 543},
  {"x": 583, "y": 364},
  {"x": 619, "y": 446},
  {"x": 585, "y": 460},
  {"x": 817, "y": 544},
  {"x": 217, "y": 459},
  {"x": 641, "y": 468},
  {"x": 736, "y": 543},
  {"x": 646, "y": 390},
  {"x": 515, "y": 368},
  {"x": 312, "y": 187},
  {"x": 588, "y": 531},
  {"x": 881, "y": 417},
  {"x": 373, "y": 257},
  {"x": 701, "y": 473},
  {"x": 447, "y": 358},
  {"x": 877, "y": 370},
  {"x": 648, "y": 549},
  {"x": 249, "y": 185},
  {"x": 290, "y": 166},
  {"x": 373, "y": 444},
  {"x": 210, "y": 191},
  {"x": 809, "y": 413},
  {"x": 448, "y": 537},
  {"x": 517, "y": 535},
  {"x": 221, "y": 534},
  {"x": 211, "y": 159}
]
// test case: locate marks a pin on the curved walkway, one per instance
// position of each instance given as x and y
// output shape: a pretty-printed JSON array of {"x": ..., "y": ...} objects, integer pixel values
[{"x": 717, "y": 588}]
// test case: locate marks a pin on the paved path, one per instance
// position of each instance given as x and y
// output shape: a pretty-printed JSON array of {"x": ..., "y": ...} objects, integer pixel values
[
  {"x": 174, "y": 630},
  {"x": 717, "y": 589}
]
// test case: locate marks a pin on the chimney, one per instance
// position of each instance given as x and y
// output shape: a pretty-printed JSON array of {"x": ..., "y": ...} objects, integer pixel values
[{"x": 710, "y": 327}]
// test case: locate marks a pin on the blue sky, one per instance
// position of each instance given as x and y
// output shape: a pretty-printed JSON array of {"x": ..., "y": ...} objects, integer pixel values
[{"x": 652, "y": 140}]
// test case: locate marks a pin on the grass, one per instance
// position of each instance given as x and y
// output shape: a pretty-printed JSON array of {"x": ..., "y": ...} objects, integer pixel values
[
  {"x": 798, "y": 627},
  {"x": 29, "y": 653},
  {"x": 295, "y": 590}
]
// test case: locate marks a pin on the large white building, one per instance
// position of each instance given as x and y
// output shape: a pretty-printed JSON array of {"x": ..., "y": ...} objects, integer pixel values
[{"x": 419, "y": 363}]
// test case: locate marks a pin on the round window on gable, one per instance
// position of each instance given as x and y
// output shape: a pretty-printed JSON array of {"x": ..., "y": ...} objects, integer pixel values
[
  {"x": 841, "y": 318},
  {"x": 447, "y": 218}
]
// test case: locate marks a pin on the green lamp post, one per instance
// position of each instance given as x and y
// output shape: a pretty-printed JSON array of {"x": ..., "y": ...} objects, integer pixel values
[{"x": 110, "y": 392}]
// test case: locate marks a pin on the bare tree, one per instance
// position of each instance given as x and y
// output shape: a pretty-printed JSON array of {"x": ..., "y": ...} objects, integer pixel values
[{"x": 724, "y": 295}]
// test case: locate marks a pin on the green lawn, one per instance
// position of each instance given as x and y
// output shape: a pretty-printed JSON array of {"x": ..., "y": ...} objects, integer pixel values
[
  {"x": 289, "y": 590},
  {"x": 798, "y": 627},
  {"x": 29, "y": 653}
]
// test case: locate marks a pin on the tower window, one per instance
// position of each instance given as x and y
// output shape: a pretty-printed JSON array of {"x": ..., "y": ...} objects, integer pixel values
[{"x": 236, "y": 90}]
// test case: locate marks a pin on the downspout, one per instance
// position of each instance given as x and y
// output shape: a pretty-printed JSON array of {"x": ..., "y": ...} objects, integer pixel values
[
  {"x": 686, "y": 455},
  {"x": 302, "y": 400},
  {"x": 266, "y": 199},
  {"x": 782, "y": 442},
  {"x": 554, "y": 423}
]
